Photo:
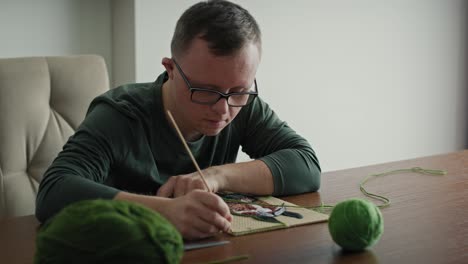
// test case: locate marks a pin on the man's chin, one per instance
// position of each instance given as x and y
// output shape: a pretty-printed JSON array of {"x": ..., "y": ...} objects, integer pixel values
[{"x": 212, "y": 132}]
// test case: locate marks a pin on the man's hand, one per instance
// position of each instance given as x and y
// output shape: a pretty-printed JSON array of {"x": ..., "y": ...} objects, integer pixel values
[
  {"x": 180, "y": 185},
  {"x": 252, "y": 177},
  {"x": 198, "y": 214}
]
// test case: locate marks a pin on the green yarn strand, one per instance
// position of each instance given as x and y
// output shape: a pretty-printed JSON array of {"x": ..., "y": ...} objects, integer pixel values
[
  {"x": 385, "y": 200},
  {"x": 326, "y": 208}
]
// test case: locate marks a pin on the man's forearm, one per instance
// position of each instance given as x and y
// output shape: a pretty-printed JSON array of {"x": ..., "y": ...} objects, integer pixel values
[
  {"x": 153, "y": 202},
  {"x": 252, "y": 177}
]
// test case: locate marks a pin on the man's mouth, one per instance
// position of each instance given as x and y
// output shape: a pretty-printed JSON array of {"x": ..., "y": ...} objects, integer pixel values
[{"x": 216, "y": 123}]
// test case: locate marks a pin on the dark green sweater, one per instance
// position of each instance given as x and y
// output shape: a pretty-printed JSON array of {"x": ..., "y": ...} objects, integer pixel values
[{"x": 126, "y": 143}]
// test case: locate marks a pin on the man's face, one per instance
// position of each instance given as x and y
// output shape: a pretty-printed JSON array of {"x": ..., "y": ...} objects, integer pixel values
[{"x": 226, "y": 74}]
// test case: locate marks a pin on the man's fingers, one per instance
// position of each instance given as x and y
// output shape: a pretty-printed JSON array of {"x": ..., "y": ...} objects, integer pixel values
[
  {"x": 180, "y": 188},
  {"x": 204, "y": 227},
  {"x": 210, "y": 221},
  {"x": 198, "y": 214},
  {"x": 198, "y": 184},
  {"x": 228, "y": 216},
  {"x": 217, "y": 203},
  {"x": 216, "y": 220},
  {"x": 215, "y": 210},
  {"x": 167, "y": 189}
]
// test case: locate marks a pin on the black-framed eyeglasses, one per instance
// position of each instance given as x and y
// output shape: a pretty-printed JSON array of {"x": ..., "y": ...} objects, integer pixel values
[{"x": 206, "y": 96}]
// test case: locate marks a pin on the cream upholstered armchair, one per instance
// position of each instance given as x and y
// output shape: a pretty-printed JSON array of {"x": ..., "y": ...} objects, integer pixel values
[{"x": 42, "y": 101}]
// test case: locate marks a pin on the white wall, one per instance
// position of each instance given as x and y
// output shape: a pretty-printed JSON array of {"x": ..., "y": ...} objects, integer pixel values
[
  {"x": 123, "y": 42},
  {"x": 155, "y": 22},
  {"x": 55, "y": 27},
  {"x": 365, "y": 81}
]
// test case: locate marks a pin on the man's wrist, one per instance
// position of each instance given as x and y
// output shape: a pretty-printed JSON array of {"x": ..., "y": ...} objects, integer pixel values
[
  {"x": 218, "y": 177},
  {"x": 247, "y": 177}
]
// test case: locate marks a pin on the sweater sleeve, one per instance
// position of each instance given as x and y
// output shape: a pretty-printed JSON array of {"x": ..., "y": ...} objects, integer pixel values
[
  {"x": 81, "y": 168},
  {"x": 290, "y": 158}
]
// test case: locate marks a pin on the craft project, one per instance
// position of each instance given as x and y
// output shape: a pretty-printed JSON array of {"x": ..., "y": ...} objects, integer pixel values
[{"x": 259, "y": 214}]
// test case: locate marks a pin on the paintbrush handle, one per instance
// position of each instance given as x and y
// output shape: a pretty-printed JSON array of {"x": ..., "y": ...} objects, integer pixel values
[{"x": 181, "y": 137}]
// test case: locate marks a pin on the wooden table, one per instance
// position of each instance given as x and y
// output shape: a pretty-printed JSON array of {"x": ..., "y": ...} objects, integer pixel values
[{"x": 427, "y": 221}]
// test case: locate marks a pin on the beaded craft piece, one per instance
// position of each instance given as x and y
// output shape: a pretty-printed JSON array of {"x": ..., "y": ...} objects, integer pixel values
[{"x": 257, "y": 214}]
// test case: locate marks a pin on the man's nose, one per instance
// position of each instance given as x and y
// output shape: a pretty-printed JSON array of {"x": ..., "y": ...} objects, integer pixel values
[{"x": 221, "y": 106}]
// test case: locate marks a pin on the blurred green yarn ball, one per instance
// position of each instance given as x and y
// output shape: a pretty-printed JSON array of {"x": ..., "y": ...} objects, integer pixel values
[
  {"x": 355, "y": 224},
  {"x": 108, "y": 231}
]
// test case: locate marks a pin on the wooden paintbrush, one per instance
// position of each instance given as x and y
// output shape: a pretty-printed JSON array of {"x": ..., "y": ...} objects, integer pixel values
[{"x": 181, "y": 137}]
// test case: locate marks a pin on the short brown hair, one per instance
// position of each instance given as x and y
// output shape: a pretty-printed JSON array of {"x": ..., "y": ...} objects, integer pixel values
[{"x": 226, "y": 26}]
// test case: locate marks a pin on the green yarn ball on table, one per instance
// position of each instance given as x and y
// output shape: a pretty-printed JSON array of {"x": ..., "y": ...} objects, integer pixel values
[
  {"x": 355, "y": 224},
  {"x": 108, "y": 231}
]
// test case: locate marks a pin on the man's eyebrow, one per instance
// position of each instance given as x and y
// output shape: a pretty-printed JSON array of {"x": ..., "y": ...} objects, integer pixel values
[{"x": 211, "y": 86}]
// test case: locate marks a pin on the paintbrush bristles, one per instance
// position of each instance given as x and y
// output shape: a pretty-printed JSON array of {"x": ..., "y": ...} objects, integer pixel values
[{"x": 181, "y": 137}]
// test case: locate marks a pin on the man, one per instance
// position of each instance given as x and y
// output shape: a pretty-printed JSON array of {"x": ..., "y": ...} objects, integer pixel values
[{"x": 127, "y": 149}]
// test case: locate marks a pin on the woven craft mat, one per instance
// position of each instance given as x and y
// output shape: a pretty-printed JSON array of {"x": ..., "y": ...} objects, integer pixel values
[{"x": 242, "y": 225}]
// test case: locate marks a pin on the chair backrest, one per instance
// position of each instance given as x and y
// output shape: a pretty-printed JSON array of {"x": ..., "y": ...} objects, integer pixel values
[{"x": 42, "y": 102}]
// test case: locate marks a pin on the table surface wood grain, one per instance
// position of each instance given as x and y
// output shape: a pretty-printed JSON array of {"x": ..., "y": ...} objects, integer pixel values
[{"x": 427, "y": 221}]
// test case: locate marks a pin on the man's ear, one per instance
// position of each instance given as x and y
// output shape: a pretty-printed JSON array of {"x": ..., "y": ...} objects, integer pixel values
[{"x": 169, "y": 65}]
